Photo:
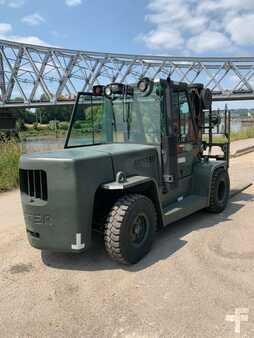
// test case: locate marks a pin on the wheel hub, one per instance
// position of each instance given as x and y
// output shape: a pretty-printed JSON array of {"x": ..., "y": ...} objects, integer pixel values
[{"x": 139, "y": 229}]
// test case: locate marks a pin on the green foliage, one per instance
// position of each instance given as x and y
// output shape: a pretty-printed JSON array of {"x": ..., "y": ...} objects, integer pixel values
[
  {"x": 42, "y": 131},
  {"x": 9, "y": 163},
  {"x": 24, "y": 115},
  {"x": 53, "y": 125},
  {"x": 42, "y": 114},
  {"x": 243, "y": 134},
  {"x": 20, "y": 125},
  {"x": 94, "y": 113},
  {"x": 60, "y": 113},
  {"x": 35, "y": 125},
  {"x": 78, "y": 125},
  {"x": 235, "y": 135},
  {"x": 64, "y": 125},
  {"x": 89, "y": 118}
]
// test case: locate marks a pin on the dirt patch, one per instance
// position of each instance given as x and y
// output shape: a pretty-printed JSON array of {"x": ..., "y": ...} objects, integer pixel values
[{"x": 21, "y": 268}]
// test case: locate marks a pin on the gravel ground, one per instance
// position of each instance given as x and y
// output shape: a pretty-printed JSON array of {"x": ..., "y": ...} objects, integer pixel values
[{"x": 198, "y": 272}]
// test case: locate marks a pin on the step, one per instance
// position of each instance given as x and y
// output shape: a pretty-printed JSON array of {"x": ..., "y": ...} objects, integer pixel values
[{"x": 183, "y": 208}]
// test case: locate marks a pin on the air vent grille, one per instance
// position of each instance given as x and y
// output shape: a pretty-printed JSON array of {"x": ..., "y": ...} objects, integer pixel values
[{"x": 34, "y": 183}]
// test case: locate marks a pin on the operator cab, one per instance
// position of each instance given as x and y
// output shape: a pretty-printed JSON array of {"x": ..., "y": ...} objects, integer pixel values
[
  {"x": 174, "y": 117},
  {"x": 117, "y": 113}
]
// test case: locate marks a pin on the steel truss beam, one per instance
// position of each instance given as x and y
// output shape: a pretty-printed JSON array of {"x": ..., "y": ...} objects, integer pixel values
[
  {"x": 2, "y": 79},
  {"x": 33, "y": 76}
]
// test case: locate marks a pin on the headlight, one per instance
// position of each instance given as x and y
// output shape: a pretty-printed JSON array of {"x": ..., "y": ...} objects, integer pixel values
[
  {"x": 98, "y": 90},
  {"x": 108, "y": 91},
  {"x": 145, "y": 86},
  {"x": 118, "y": 89}
]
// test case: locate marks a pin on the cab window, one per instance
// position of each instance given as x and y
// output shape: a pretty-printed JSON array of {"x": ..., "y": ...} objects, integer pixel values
[{"x": 182, "y": 110}]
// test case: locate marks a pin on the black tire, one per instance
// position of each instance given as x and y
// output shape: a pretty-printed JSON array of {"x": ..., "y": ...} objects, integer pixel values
[
  {"x": 130, "y": 228},
  {"x": 219, "y": 191}
]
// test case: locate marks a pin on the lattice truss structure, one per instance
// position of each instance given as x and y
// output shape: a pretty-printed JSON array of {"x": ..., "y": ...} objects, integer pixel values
[{"x": 37, "y": 75}]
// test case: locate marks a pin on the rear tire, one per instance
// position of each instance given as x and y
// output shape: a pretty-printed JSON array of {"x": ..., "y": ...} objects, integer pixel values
[
  {"x": 219, "y": 191},
  {"x": 130, "y": 228}
]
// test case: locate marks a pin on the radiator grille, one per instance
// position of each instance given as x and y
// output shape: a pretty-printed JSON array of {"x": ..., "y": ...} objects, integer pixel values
[{"x": 34, "y": 183}]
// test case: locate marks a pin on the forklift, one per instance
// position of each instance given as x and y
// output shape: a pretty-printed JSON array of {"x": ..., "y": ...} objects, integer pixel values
[{"x": 136, "y": 159}]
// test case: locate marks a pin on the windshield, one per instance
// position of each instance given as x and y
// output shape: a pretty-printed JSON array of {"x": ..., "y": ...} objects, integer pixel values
[{"x": 98, "y": 120}]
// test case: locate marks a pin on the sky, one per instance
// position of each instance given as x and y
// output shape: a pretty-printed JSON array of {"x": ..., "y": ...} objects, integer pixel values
[{"x": 164, "y": 27}]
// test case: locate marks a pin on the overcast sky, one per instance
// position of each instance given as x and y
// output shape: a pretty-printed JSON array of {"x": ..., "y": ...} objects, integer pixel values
[{"x": 167, "y": 27}]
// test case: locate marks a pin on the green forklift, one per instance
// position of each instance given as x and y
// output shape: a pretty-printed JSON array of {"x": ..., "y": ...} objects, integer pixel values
[{"x": 136, "y": 159}]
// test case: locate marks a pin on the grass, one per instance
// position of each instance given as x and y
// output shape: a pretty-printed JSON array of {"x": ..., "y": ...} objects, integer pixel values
[
  {"x": 243, "y": 134},
  {"x": 9, "y": 162},
  {"x": 42, "y": 132},
  {"x": 234, "y": 136}
]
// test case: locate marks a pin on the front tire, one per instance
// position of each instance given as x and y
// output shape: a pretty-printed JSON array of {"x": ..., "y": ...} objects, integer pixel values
[
  {"x": 130, "y": 228},
  {"x": 219, "y": 191}
]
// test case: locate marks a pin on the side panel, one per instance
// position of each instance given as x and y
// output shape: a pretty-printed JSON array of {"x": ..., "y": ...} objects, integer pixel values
[
  {"x": 182, "y": 190},
  {"x": 199, "y": 193},
  {"x": 140, "y": 163},
  {"x": 89, "y": 176},
  {"x": 202, "y": 177}
]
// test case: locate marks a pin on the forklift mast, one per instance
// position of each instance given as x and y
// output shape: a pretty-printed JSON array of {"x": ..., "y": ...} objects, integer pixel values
[
  {"x": 216, "y": 133},
  {"x": 212, "y": 128}
]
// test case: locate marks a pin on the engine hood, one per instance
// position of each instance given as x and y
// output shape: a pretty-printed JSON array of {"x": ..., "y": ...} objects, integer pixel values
[
  {"x": 91, "y": 152},
  {"x": 132, "y": 159}
]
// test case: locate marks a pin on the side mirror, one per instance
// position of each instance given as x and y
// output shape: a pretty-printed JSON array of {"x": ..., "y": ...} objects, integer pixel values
[{"x": 206, "y": 98}]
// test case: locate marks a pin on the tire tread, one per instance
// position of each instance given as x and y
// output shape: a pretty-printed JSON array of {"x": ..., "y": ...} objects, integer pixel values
[
  {"x": 114, "y": 222},
  {"x": 213, "y": 206}
]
